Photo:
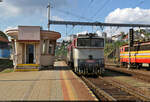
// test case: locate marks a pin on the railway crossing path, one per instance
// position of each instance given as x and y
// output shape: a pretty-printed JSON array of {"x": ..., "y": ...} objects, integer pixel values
[{"x": 57, "y": 84}]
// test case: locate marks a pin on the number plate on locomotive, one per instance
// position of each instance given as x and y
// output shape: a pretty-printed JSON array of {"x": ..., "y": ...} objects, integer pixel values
[{"x": 90, "y": 61}]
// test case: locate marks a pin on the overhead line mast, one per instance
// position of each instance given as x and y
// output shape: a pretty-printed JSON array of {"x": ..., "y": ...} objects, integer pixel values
[{"x": 48, "y": 15}]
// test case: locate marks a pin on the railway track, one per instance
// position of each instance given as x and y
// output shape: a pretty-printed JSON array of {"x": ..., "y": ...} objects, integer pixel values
[
  {"x": 142, "y": 76},
  {"x": 107, "y": 90}
]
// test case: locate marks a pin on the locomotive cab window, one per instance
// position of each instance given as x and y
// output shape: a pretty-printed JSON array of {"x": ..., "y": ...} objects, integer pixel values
[
  {"x": 97, "y": 42},
  {"x": 90, "y": 42},
  {"x": 83, "y": 42}
]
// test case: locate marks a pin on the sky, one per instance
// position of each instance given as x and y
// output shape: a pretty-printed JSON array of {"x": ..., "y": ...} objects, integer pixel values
[{"x": 34, "y": 12}]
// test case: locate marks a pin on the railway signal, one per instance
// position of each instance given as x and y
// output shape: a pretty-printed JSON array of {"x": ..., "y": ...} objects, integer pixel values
[
  {"x": 130, "y": 43},
  {"x": 131, "y": 37}
]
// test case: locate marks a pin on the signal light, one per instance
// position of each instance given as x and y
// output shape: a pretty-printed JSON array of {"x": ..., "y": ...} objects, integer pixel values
[{"x": 131, "y": 37}]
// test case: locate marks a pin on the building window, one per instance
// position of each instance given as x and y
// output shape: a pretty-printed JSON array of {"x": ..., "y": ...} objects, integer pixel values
[{"x": 51, "y": 48}]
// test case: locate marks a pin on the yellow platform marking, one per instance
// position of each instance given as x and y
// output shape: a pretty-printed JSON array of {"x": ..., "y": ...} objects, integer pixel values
[
  {"x": 18, "y": 70},
  {"x": 69, "y": 87},
  {"x": 36, "y": 65}
]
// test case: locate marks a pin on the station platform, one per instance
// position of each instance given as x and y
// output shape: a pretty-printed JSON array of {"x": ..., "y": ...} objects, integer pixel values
[{"x": 59, "y": 83}]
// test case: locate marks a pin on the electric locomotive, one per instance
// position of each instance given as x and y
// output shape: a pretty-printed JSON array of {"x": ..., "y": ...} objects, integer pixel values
[
  {"x": 86, "y": 54},
  {"x": 139, "y": 54}
]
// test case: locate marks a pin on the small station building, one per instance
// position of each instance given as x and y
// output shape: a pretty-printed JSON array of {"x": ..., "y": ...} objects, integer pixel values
[{"x": 32, "y": 47}]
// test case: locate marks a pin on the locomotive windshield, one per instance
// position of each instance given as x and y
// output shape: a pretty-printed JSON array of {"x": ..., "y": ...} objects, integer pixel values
[{"x": 94, "y": 42}]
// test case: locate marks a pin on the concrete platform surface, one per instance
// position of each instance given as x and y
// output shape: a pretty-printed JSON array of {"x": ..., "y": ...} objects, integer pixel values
[{"x": 58, "y": 84}]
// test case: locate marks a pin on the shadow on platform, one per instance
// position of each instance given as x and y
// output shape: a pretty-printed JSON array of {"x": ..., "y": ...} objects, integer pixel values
[
  {"x": 61, "y": 68},
  {"x": 56, "y": 68}
]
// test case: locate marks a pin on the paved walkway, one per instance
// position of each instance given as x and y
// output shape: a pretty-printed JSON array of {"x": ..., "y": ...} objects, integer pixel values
[{"x": 57, "y": 84}]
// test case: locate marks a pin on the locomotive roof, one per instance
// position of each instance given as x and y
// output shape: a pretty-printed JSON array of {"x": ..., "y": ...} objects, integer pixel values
[
  {"x": 88, "y": 37},
  {"x": 138, "y": 42}
]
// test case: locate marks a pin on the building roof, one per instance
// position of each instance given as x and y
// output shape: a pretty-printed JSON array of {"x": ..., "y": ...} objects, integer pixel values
[
  {"x": 44, "y": 34},
  {"x": 3, "y": 39}
]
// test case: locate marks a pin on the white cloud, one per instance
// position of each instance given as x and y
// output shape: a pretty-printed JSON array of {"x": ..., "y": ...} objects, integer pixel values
[
  {"x": 10, "y": 8},
  {"x": 129, "y": 15},
  {"x": 7, "y": 10}
]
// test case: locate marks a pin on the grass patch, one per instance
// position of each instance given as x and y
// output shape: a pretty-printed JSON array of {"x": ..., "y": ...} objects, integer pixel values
[
  {"x": 6, "y": 63},
  {"x": 8, "y": 70}
]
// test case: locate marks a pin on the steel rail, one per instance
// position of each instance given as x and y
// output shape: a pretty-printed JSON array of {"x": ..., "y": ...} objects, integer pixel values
[
  {"x": 138, "y": 75},
  {"x": 137, "y": 94},
  {"x": 109, "y": 97},
  {"x": 100, "y": 91}
]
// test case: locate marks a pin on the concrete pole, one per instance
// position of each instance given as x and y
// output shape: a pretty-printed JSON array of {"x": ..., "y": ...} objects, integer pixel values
[{"x": 48, "y": 15}]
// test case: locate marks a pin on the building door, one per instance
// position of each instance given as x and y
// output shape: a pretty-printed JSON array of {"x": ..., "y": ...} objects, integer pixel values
[{"x": 29, "y": 53}]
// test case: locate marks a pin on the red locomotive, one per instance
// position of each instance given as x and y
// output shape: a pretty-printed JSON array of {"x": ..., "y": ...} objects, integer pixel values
[{"x": 139, "y": 54}]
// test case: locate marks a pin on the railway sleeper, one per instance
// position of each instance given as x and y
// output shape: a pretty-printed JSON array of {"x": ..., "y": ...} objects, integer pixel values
[
  {"x": 99, "y": 91},
  {"x": 130, "y": 91}
]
